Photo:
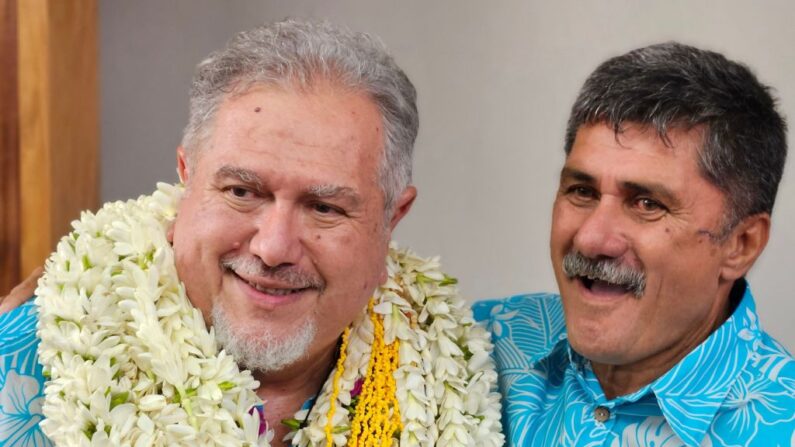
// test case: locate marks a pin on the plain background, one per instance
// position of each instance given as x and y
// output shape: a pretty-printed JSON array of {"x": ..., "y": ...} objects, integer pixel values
[{"x": 495, "y": 81}]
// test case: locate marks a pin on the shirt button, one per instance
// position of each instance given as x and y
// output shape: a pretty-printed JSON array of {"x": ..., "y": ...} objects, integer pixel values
[{"x": 601, "y": 414}]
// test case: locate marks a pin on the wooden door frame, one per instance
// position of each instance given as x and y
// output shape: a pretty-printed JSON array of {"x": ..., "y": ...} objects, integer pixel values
[
  {"x": 50, "y": 126},
  {"x": 10, "y": 235}
]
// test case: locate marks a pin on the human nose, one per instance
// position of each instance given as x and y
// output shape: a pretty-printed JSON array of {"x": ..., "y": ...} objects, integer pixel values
[
  {"x": 277, "y": 238},
  {"x": 602, "y": 233}
]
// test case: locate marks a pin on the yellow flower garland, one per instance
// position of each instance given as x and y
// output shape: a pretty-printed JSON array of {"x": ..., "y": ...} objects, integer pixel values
[
  {"x": 376, "y": 426},
  {"x": 416, "y": 371},
  {"x": 336, "y": 392},
  {"x": 116, "y": 255},
  {"x": 382, "y": 418}
]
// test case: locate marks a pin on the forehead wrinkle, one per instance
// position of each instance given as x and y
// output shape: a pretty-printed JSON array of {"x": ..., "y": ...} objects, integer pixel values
[{"x": 242, "y": 174}]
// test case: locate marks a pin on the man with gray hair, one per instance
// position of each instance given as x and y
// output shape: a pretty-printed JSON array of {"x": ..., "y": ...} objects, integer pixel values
[
  {"x": 673, "y": 158},
  {"x": 296, "y": 165}
]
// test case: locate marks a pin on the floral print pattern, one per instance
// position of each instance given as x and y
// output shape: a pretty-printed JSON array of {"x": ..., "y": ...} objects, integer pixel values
[
  {"x": 735, "y": 389},
  {"x": 21, "y": 380}
]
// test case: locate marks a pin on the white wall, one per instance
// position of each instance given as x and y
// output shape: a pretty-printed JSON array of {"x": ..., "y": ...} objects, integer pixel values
[{"x": 495, "y": 82}]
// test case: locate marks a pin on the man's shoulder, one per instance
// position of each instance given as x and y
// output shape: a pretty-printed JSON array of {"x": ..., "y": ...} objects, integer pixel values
[
  {"x": 18, "y": 325},
  {"x": 530, "y": 324},
  {"x": 538, "y": 307},
  {"x": 770, "y": 370},
  {"x": 758, "y": 408},
  {"x": 21, "y": 378},
  {"x": 18, "y": 341}
]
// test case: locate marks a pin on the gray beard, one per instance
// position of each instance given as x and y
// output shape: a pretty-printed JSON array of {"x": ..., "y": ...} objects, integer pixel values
[{"x": 258, "y": 348}]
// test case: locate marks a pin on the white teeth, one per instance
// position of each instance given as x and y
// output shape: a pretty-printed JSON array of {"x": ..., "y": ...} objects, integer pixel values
[{"x": 277, "y": 292}]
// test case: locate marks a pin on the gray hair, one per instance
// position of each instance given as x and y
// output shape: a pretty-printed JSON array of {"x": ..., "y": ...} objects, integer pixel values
[
  {"x": 298, "y": 54},
  {"x": 672, "y": 85}
]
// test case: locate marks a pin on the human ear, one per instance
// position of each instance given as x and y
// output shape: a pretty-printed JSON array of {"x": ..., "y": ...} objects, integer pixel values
[
  {"x": 182, "y": 165},
  {"x": 744, "y": 245},
  {"x": 403, "y": 206}
]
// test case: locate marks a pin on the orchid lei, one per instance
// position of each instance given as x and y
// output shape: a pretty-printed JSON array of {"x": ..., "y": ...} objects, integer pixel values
[{"x": 131, "y": 362}]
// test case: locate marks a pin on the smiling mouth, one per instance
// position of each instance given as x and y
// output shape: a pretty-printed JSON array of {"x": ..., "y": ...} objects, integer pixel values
[
  {"x": 600, "y": 287},
  {"x": 274, "y": 291}
]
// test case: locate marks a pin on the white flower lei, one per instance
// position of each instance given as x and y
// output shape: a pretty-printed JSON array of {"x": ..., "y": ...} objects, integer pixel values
[
  {"x": 446, "y": 379},
  {"x": 131, "y": 362}
]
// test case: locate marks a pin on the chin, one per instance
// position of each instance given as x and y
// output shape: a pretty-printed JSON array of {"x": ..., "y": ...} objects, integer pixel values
[{"x": 601, "y": 349}]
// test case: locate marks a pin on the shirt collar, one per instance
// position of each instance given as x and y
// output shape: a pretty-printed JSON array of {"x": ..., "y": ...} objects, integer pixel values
[{"x": 690, "y": 394}]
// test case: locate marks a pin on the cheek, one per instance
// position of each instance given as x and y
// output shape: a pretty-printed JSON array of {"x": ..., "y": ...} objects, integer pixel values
[
  {"x": 564, "y": 226},
  {"x": 201, "y": 235}
]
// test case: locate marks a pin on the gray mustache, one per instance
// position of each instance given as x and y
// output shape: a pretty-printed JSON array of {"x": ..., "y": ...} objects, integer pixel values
[
  {"x": 290, "y": 275},
  {"x": 607, "y": 269}
]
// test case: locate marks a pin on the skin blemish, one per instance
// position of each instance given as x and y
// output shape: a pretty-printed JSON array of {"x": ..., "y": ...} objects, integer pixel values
[
  {"x": 709, "y": 234},
  {"x": 258, "y": 109},
  {"x": 317, "y": 237}
]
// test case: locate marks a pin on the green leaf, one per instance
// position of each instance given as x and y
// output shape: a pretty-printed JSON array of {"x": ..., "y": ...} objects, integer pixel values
[
  {"x": 226, "y": 385},
  {"x": 422, "y": 279},
  {"x": 292, "y": 423},
  {"x": 448, "y": 280},
  {"x": 467, "y": 353},
  {"x": 117, "y": 399},
  {"x": 90, "y": 430}
]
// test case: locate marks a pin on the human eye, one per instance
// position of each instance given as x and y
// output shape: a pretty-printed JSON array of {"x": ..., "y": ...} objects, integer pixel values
[
  {"x": 581, "y": 194},
  {"x": 326, "y": 209},
  {"x": 649, "y": 208},
  {"x": 239, "y": 194}
]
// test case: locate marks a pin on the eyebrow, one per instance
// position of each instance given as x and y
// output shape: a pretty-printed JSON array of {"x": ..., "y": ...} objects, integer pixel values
[
  {"x": 576, "y": 174},
  {"x": 244, "y": 175},
  {"x": 334, "y": 191}
]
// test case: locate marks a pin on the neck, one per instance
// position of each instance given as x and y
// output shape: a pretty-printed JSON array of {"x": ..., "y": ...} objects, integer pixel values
[{"x": 285, "y": 391}]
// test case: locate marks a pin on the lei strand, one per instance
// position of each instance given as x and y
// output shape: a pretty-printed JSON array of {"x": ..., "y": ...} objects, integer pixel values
[
  {"x": 444, "y": 378},
  {"x": 382, "y": 418},
  {"x": 131, "y": 362},
  {"x": 337, "y": 374}
]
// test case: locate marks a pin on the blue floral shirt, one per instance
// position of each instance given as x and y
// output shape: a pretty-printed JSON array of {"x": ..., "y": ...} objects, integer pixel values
[
  {"x": 735, "y": 389},
  {"x": 551, "y": 396},
  {"x": 21, "y": 379}
]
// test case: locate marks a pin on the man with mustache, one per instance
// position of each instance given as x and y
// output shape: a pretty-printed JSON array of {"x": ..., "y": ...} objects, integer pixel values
[{"x": 673, "y": 158}]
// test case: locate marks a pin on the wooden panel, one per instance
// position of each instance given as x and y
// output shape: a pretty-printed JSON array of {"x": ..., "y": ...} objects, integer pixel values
[
  {"x": 74, "y": 109},
  {"x": 9, "y": 148},
  {"x": 34, "y": 135},
  {"x": 58, "y": 120}
]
